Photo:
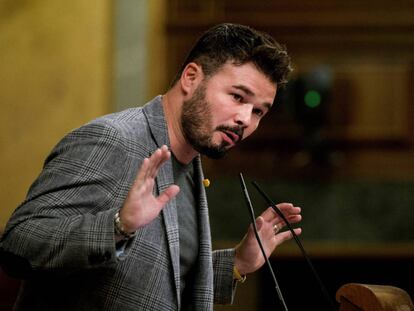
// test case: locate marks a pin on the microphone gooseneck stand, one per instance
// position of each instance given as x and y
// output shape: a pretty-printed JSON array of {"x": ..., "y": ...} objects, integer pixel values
[
  {"x": 253, "y": 218},
  {"x": 305, "y": 255}
]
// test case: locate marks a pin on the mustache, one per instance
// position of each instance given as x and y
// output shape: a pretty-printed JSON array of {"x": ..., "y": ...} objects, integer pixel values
[{"x": 238, "y": 130}]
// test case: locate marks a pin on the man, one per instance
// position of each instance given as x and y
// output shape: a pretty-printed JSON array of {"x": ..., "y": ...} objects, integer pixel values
[{"x": 118, "y": 218}]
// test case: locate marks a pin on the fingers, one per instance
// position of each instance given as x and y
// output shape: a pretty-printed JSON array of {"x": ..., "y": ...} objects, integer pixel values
[
  {"x": 142, "y": 172},
  {"x": 292, "y": 220},
  {"x": 153, "y": 161},
  {"x": 289, "y": 211},
  {"x": 150, "y": 166},
  {"x": 259, "y": 223},
  {"x": 156, "y": 160},
  {"x": 271, "y": 218},
  {"x": 286, "y": 235}
]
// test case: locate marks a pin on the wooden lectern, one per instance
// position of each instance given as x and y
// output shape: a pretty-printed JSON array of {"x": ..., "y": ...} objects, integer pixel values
[{"x": 363, "y": 297}]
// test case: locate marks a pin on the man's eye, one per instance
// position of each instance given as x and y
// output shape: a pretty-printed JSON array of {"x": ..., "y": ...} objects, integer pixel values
[
  {"x": 237, "y": 97},
  {"x": 258, "y": 112}
]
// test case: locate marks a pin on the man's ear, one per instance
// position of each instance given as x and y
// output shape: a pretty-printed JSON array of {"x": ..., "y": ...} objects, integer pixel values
[{"x": 191, "y": 77}]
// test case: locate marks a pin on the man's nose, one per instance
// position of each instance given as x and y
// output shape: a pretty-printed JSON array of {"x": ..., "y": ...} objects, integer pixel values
[{"x": 244, "y": 115}]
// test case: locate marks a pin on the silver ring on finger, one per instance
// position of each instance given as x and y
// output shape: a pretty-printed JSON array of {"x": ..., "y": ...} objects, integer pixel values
[{"x": 276, "y": 229}]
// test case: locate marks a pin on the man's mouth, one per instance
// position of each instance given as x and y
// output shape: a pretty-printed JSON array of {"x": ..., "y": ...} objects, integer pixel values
[{"x": 233, "y": 138}]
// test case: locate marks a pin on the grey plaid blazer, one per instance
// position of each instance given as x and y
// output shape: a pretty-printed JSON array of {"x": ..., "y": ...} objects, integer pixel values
[{"x": 60, "y": 240}]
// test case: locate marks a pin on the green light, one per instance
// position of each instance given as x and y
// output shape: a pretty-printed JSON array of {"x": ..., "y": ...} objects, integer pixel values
[{"x": 312, "y": 99}]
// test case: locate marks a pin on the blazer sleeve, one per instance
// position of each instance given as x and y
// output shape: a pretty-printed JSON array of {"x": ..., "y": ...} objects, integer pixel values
[
  {"x": 224, "y": 284},
  {"x": 66, "y": 222}
]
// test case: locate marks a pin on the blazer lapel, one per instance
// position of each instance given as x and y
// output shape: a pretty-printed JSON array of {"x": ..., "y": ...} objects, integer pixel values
[
  {"x": 203, "y": 291},
  {"x": 155, "y": 115}
]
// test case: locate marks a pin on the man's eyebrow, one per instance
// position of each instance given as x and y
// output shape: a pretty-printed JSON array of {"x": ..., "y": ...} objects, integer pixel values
[{"x": 244, "y": 89}]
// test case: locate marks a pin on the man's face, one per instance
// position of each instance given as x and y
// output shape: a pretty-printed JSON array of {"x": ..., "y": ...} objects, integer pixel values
[{"x": 226, "y": 108}]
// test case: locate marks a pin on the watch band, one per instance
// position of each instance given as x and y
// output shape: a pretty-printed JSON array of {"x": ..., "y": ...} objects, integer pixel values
[
  {"x": 237, "y": 276},
  {"x": 119, "y": 229}
]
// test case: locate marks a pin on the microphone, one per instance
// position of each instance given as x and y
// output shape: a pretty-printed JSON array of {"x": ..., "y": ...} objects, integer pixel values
[
  {"x": 253, "y": 218},
  {"x": 304, "y": 254}
]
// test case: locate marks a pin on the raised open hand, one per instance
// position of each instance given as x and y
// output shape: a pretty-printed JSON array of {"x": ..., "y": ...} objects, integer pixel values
[{"x": 141, "y": 206}]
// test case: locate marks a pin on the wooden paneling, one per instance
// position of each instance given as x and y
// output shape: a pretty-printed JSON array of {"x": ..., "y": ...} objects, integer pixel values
[
  {"x": 368, "y": 48},
  {"x": 55, "y": 60}
]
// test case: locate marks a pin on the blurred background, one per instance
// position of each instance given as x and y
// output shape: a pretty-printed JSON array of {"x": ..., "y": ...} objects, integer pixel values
[{"x": 339, "y": 141}]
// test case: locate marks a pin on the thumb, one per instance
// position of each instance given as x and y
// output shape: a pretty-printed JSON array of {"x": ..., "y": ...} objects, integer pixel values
[{"x": 168, "y": 194}]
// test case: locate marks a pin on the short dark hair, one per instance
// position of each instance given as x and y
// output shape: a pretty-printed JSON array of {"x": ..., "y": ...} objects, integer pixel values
[{"x": 239, "y": 44}]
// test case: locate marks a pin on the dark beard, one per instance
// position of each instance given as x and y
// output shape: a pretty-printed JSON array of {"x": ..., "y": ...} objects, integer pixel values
[{"x": 195, "y": 118}]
